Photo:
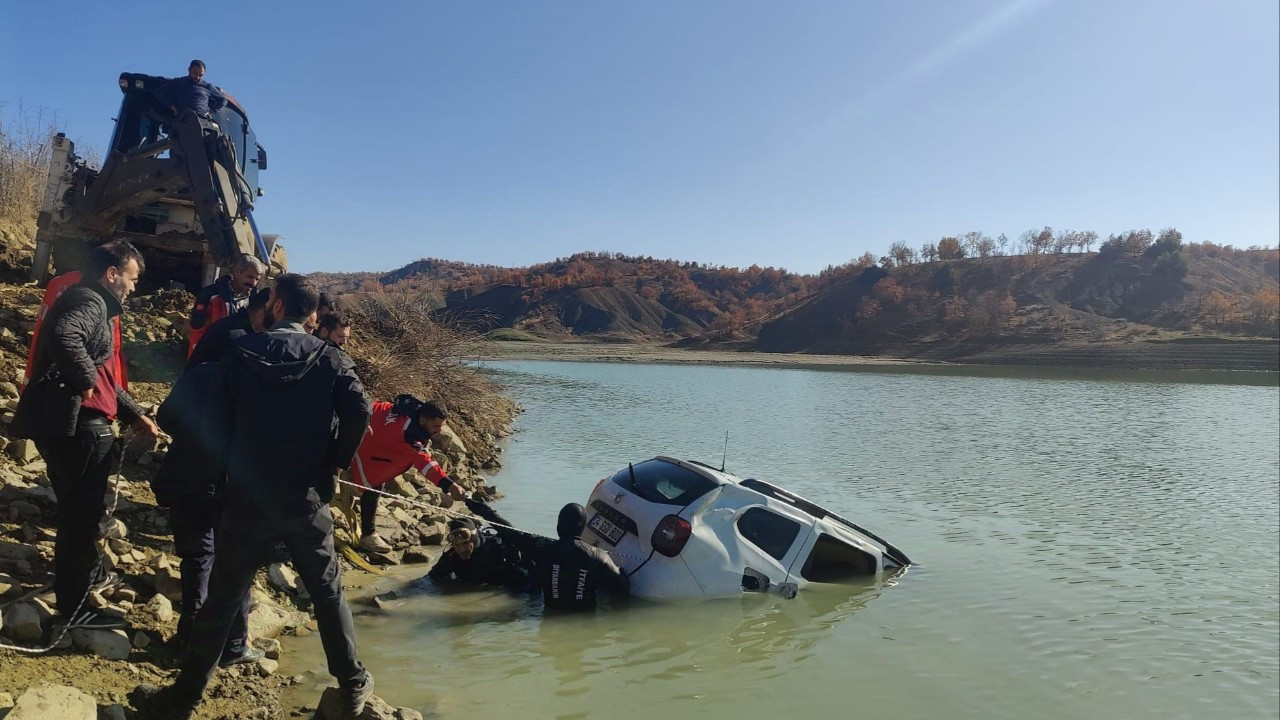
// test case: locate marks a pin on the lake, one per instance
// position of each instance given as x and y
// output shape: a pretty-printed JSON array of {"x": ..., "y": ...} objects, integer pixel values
[{"x": 1087, "y": 545}]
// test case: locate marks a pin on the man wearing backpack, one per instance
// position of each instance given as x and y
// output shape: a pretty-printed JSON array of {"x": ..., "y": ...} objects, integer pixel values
[{"x": 396, "y": 441}]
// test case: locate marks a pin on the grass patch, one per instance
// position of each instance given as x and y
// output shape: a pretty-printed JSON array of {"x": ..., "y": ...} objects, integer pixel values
[{"x": 512, "y": 335}]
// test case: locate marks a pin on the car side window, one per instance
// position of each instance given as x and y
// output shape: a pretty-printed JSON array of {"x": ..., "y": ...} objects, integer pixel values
[{"x": 768, "y": 531}]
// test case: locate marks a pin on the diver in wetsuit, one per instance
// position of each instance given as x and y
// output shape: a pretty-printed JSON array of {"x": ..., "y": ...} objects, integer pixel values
[
  {"x": 479, "y": 556},
  {"x": 570, "y": 572}
]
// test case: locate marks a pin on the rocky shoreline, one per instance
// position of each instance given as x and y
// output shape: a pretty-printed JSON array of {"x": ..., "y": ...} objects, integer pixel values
[{"x": 91, "y": 673}]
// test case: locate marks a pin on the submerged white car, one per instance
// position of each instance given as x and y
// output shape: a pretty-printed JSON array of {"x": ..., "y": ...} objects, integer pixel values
[{"x": 682, "y": 529}]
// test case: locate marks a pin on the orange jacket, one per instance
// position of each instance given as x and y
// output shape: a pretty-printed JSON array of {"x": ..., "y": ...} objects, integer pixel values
[
  {"x": 52, "y": 292},
  {"x": 384, "y": 454}
]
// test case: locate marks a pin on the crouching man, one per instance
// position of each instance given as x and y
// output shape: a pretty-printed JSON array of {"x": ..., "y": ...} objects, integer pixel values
[{"x": 396, "y": 441}]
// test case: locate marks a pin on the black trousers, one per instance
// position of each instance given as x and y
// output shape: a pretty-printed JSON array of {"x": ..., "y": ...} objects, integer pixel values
[
  {"x": 368, "y": 513},
  {"x": 79, "y": 469},
  {"x": 245, "y": 537},
  {"x": 194, "y": 519}
]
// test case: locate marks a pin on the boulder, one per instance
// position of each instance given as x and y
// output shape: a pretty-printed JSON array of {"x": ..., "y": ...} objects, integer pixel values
[
  {"x": 17, "y": 551},
  {"x": 283, "y": 577},
  {"x": 109, "y": 644},
  {"x": 21, "y": 622},
  {"x": 432, "y": 533},
  {"x": 9, "y": 584},
  {"x": 23, "y": 451},
  {"x": 160, "y": 608},
  {"x": 54, "y": 702},
  {"x": 418, "y": 554},
  {"x": 8, "y": 390},
  {"x": 267, "y": 619},
  {"x": 330, "y": 708},
  {"x": 168, "y": 582}
]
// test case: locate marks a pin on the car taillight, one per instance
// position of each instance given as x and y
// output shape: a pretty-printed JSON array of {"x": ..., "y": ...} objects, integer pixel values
[{"x": 671, "y": 535}]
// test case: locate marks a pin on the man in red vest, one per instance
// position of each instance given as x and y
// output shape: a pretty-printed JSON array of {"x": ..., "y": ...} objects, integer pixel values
[
  {"x": 396, "y": 441},
  {"x": 52, "y": 292}
]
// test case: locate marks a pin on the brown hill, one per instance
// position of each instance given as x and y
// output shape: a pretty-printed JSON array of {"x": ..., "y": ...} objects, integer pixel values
[{"x": 1199, "y": 309}]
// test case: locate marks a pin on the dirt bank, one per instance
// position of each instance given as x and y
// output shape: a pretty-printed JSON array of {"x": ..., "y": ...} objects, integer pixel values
[{"x": 108, "y": 665}]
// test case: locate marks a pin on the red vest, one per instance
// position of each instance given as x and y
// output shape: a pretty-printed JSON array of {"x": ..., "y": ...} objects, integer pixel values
[{"x": 56, "y": 287}]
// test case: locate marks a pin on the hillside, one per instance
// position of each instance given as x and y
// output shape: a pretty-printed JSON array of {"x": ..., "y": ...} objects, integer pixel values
[
  {"x": 1170, "y": 304},
  {"x": 1106, "y": 309}
]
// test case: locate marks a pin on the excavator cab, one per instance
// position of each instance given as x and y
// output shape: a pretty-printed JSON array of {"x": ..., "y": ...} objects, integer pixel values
[{"x": 180, "y": 187}]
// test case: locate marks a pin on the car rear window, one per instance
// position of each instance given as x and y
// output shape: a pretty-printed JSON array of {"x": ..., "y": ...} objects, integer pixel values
[{"x": 663, "y": 482}]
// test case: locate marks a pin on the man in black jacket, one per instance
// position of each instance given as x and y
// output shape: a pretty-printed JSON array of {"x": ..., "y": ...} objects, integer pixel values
[
  {"x": 284, "y": 389},
  {"x": 68, "y": 409}
]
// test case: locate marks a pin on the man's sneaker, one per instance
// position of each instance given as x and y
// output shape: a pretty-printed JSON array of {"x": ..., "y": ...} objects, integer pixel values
[
  {"x": 355, "y": 695},
  {"x": 374, "y": 543},
  {"x": 90, "y": 620},
  {"x": 243, "y": 656}
]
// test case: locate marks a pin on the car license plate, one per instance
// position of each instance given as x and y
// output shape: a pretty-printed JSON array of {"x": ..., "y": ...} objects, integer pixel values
[{"x": 605, "y": 529}]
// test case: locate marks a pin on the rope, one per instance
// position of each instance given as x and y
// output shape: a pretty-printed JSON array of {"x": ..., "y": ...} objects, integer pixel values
[
  {"x": 110, "y": 515},
  {"x": 446, "y": 511}
]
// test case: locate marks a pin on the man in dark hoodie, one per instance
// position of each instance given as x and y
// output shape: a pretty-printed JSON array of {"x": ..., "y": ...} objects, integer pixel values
[
  {"x": 74, "y": 395},
  {"x": 284, "y": 388}
]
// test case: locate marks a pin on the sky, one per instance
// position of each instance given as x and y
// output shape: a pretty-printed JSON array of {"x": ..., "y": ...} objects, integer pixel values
[{"x": 734, "y": 132}]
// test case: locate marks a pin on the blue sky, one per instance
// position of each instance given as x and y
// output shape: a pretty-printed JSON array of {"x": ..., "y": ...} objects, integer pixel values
[{"x": 795, "y": 135}]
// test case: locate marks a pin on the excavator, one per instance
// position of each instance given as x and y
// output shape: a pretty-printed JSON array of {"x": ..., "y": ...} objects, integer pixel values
[{"x": 179, "y": 187}]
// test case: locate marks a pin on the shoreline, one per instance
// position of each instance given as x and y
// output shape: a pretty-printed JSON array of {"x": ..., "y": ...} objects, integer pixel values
[{"x": 1164, "y": 361}]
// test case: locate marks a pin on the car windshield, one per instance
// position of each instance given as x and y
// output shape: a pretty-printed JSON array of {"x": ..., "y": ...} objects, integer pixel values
[{"x": 663, "y": 482}]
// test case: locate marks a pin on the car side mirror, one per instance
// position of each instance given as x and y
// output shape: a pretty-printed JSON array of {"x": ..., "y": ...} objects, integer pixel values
[{"x": 262, "y": 158}]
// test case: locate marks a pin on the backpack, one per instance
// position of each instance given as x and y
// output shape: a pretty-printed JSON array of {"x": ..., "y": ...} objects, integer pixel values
[{"x": 405, "y": 405}]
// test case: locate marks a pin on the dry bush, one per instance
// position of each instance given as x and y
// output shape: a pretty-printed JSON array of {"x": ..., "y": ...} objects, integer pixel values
[
  {"x": 24, "y": 162},
  {"x": 400, "y": 348}
]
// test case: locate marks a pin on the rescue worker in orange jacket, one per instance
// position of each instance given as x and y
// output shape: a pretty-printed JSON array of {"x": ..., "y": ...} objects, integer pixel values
[
  {"x": 227, "y": 296},
  {"x": 395, "y": 442}
]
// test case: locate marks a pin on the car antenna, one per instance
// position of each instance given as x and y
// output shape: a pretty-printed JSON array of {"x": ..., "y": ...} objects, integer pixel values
[
  {"x": 631, "y": 469},
  {"x": 725, "y": 457}
]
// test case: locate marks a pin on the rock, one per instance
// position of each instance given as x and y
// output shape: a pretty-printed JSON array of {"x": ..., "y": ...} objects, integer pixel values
[
  {"x": 17, "y": 551},
  {"x": 330, "y": 708},
  {"x": 22, "y": 511},
  {"x": 8, "y": 390},
  {"x": 432, "y": 533},
  {"x": 113, "y": 528},
  {"x": 418, "y": 554},
  {"x": 6, "y": 701},
  {"x": 23, "y": 451},
  {"x": 269, "y": 647},
  {"x": 109, "y": 644},
  {"x": 141, "y": 640},
  {"x": 54, "y": 702},
  {"x": 119, "y": 547},
  {"x": 267, "y": 619},
  {"x": 282, "y": 577},
  {"x": 402, "y": 487},
  {"x": 124, "y": 593},
  {"x": 112, "y": 712},
  {"x": 21, "y": 622},
  {"x": 408, "y": 714},
  {"x": 268, "y": 667},
  {"x": 395, "y": 557},
  {"x": 168, "y": 582},
  {"x": 159, "y": 608}
]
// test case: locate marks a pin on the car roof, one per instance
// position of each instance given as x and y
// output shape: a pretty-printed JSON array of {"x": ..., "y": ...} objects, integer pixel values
[{"x": 773, "y": 496}]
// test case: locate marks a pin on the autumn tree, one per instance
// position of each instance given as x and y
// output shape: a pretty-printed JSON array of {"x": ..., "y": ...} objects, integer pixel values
[
  {"x": 902, "y": 253},
  {"x": 1217, "y": 307},
  {"x": 949, "y": 248},
  {"x": 929, "y": 252}
]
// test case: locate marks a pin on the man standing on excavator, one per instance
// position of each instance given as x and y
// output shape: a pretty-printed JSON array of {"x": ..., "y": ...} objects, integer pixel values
[{"x": 192, "y": 93}]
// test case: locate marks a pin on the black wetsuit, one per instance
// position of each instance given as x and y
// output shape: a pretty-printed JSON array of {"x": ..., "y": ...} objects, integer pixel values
[{"x": 569, "y": 572}]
